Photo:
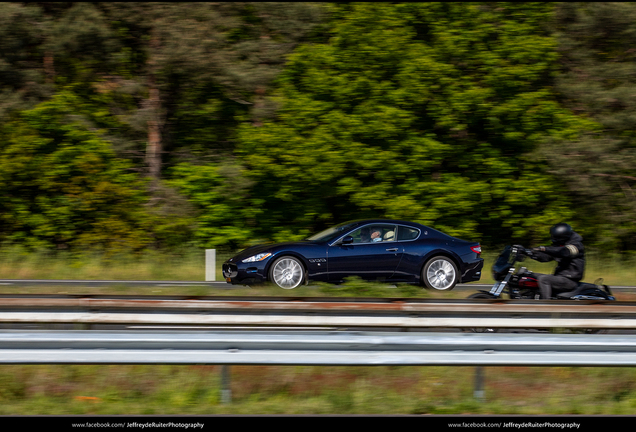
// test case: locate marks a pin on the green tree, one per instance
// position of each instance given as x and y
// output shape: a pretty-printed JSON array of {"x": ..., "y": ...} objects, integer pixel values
[
  {"x": 217, "y": 192},
  {"x": 164, "y": 83},
  {"x": 422, "y": 111},
  {"x": 61, "y": 185},
  {"x": 206, "y": 67},
  {"x": 22, "y": 80},
  {"x": 597, "y": 80},
  {"x": 197, "y": 69}
]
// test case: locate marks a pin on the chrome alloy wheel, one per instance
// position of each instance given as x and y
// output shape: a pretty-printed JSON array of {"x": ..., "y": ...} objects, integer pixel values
[
  {"x": 441, "y": 274},
  {"x": 287, "y": 273}
]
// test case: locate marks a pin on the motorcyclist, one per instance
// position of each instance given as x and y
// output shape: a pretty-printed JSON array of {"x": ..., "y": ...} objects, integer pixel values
[{"x": 568, "y": 251}]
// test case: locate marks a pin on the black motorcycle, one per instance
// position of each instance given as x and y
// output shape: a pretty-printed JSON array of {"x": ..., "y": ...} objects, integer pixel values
[{"x": 523, "y": 284}]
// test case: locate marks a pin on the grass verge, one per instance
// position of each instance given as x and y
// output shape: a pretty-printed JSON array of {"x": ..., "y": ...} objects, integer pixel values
[{"x": 192, "y": 390}]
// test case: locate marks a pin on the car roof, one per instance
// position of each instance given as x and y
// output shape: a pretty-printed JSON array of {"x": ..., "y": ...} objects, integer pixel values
[
  {"x": 393, "y": 221},
  {"x": 401, "y": 222}
]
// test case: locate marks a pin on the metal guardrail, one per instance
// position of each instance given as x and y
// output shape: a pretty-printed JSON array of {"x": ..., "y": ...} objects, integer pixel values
[
  {"x": 328, "y": 348},
  {"x": 332, "y": 312},
  {"x": 323, "y": 349}
]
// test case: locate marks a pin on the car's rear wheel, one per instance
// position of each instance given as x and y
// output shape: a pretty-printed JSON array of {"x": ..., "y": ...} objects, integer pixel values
[
  {"x": 287, "y": 272},
  {"x": 440, "y": 273}
]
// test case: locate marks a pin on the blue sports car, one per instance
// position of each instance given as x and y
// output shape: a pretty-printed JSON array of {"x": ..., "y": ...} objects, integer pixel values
[{"x": 374, "y": 249}]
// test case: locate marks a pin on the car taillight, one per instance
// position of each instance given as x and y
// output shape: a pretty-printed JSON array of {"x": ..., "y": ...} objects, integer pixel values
[{"x": 476, "y": 249}]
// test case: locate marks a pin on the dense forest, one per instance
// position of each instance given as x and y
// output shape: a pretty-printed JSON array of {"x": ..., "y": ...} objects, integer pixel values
[{"x": 134, "y": 126}]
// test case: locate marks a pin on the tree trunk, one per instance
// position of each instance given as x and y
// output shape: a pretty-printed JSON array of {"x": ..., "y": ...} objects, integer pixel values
[
  {"x": 154, "y": 147},
  {"x": 49, "y": 68}
]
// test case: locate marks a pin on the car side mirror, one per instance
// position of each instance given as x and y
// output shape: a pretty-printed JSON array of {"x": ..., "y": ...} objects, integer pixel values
[{"x": 347, "y": 240}]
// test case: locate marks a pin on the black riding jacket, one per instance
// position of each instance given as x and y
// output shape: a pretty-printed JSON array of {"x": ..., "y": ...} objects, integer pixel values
[{"x": 570, "y": 257}]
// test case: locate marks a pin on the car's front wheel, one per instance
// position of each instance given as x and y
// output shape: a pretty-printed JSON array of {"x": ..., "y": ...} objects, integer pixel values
[
  {"x": 440, "y": 273},
  {"x": 287, "y": 272}
]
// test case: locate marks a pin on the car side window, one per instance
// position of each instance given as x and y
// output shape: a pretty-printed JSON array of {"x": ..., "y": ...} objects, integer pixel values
[
  {"x": 378, "y": 233},
  {"x": 406, "y": 233}
]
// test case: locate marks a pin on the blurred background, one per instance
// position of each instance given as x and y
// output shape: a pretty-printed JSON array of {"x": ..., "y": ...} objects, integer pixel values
[{"x": 168, "y": 128}]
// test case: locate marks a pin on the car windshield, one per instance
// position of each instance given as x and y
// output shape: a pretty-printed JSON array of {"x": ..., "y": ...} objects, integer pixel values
[{"x": 333, "y": 232}]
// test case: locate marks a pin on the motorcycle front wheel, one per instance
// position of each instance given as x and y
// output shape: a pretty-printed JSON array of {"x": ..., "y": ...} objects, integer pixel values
[{"x": 481, "y": 295}]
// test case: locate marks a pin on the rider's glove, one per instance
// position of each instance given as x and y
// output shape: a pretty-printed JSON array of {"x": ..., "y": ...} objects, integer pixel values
[
  {"x": 520, "y": 249},
  {"x": 530, "y": 254}
]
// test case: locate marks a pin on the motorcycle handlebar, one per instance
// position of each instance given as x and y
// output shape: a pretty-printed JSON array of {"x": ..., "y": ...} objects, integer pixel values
[{"x": 522, "y": 251}]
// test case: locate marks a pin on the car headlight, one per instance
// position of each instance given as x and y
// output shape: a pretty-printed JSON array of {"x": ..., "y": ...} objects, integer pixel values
[{"x": 258, "y": 257}]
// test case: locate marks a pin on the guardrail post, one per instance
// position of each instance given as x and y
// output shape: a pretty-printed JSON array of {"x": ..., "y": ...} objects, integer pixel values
[
  {"x": 479, "y": 383},
  {"x": 210, "y": 265},
  {"x": 226, "y": 391}
]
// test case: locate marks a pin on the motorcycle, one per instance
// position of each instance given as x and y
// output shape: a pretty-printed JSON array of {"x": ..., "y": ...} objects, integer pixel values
[{"x": 524, "y": 284}]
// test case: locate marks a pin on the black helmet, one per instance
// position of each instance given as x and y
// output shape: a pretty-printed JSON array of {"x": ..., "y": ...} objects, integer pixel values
[{"x": 560, "y": 233}]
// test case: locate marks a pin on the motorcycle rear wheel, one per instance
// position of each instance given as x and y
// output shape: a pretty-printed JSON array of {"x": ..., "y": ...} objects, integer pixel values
[{"x": 579, "y": 331}]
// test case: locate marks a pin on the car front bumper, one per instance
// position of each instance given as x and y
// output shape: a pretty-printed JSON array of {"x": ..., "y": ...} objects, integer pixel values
[{"x": 240, "y": 273}]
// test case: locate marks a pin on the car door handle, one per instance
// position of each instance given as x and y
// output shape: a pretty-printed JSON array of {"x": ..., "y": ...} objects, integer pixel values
[{"x": 392, "y": 250}]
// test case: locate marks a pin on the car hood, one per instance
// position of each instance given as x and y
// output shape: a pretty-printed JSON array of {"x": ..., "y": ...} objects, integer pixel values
[{"x": 273, "y": 248}]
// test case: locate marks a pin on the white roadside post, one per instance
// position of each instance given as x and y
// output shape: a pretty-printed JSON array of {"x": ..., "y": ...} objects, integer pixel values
[
  {"x": 210, "y": 276},
  {"x": 210, "y": 265},
  {"x": 479, "y": 392},
  {"x": 226, "y": 389}
]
